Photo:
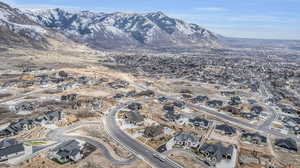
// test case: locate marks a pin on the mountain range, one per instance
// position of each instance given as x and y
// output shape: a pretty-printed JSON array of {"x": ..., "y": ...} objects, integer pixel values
[
  {"x": 18, "y": 29},
  {"x": 114, "y": 30},
  {"x": 100, "y": 30}
]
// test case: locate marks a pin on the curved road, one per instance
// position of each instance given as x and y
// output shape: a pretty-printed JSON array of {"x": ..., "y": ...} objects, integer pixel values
[
  {"x": 132, "y": 145},
  {"x": 59, "y": 136}
]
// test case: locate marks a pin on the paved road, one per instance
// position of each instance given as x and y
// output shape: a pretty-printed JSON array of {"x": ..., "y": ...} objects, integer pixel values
[
  {"x": 59, "y": 136},
  {"x": 274, "y": 115},
  {"x": 132, "y": 145}
]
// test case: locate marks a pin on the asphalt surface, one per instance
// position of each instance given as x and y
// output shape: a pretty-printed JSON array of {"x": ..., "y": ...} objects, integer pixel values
[
  {"x": 132, "y": 145},
  {"x": 274, "y": 114}
]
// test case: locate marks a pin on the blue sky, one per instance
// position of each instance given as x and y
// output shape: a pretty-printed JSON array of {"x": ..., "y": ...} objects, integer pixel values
[{"x": 269, "y": 19}]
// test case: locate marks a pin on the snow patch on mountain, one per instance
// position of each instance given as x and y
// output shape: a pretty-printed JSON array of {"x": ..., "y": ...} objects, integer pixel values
[{"x": 154, "y": 28}]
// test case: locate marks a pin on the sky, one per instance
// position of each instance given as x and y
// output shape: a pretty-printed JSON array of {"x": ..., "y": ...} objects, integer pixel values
[{"x": 261, "y": 19}]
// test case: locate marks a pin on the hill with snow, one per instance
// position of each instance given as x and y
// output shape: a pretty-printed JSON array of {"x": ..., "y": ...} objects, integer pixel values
[
  {"x": 116, "y": 30},
  {"x": 17, "y": 29}
]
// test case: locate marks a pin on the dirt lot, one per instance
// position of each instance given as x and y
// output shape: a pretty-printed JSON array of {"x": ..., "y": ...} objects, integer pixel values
[
  {"x": 95, "y": 160},
  {"x": 288, "y": 158},
  {"x": 184, "y": 160}
]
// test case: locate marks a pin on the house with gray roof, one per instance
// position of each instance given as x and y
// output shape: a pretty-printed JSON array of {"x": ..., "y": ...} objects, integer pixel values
[
  {"x": 67, "y": 151},
  {"x": 225, "y": 130},
  {"x": 215, "y": 103},
  {"x": 10, "y": 148},
  {"x": 53, "y": 116},
  {"x": 133, "y": 117},
  {"x": 198, "y": 122},
  {"x": 153, "y": 131},
  {"x": 256, "y": 109},
  {"x": 135, "y": 106},
  {"x": 254, "y": 138},
  {"x": 187, "y": 140},
  {"x": 199, "y": 99},
  {"x": 172, "y": 116},
  {"x": 287, "y": 144},
  {"x": 214, "y": 153},
  {"x": 15, "y": 127}
]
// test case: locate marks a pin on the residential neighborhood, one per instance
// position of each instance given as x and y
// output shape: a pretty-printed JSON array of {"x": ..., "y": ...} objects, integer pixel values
[{"x": 144, "y": 84}]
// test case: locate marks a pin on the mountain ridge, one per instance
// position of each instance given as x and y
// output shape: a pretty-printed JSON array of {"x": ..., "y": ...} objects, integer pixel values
[
  {"x": 17, "y": 29},
  {"x": 119, "y": 29}
]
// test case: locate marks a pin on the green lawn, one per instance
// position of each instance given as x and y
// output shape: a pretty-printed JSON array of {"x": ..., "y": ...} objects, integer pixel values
[{"x": 35, "y": 143}]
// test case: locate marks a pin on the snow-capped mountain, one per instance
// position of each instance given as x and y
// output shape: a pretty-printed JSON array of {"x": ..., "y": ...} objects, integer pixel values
[
  {"x": 17, "y": 29},
  {"x": 114, "y": 30}
]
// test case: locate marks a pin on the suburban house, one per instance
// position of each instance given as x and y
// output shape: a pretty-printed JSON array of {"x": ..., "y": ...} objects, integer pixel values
[
  {"x": 10, "y": 148},
  {"x": 67, "y": 151},
  {"x": 133, "y": 117},
  {"x": 162, "y": 99},
  {"x": 254, "y": 138},
  {"x": 169, "y": 108},
  {"x": 287, "y": 144},
  {"x": 293, "y": 124},
  {"x": 131, "y": 93},
  {"x": 296, "y": 130},
  {"x": 225, "y": 130},
  {"x": 256, "y": 109},
  {"x": 53, "y": 116},
  {"x": 215, "y": 103},
  {"x": 179, "y": 104},
  {"x": 153, "y": 131},
  {"x": 287, "y": 109},
  {"x": 227, "y": 93},
  {"x": 186, "y": 140},
  {"x": 186, "y": 96},
  {"x": 69, "y": 97},
  {"x": 134, "y": 106},
  {"x": 198, "y": 122},
  {"x": 118, "y": 96},
  {"x": 26, "y": 124},
  {"x": 172, "y": 116},
  {"x": 49, "y": 117},
  {"x": 148, "y": 93},
  {"x": 67, "y": 86},
  {"x": 214, "y": 153},
  {"x": 118, "y": 84},
  {"x": 291, "y": 121},
  {"x": 15, "y": 127},
  {"x": 199, "y": 99},
  {"x": 232, "y": 110},
  {"x": 234, "y": 101}
]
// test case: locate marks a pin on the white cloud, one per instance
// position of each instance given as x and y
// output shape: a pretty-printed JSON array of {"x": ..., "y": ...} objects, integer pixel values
[{"x": 211, "y": 9}]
